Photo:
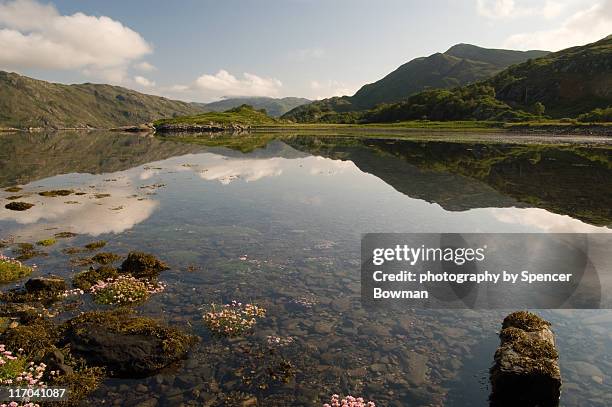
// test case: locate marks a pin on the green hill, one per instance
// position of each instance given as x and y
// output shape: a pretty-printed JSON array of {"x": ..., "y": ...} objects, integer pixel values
[
  {"x": 568, "y": 83},
  {"x": 275, "y": 107},
  {"x": 27, "y": 102},
  {"x": 459, "y": 65}
]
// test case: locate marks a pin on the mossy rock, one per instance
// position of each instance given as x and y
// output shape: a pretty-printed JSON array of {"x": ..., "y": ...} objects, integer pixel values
[
  {"x": 86, "y": 279},
  {"x": 124, "y": 344},
  {"x": 18, "y": 206},
  {"x": 106, "y": 258},
  {"x": 12, "y": 271},
  {"x": 95, "y": 245},
  {"x": 80, "y": 383},
  {"x": 26, "y": 251},
  {"x": 56, "y": 192},
  {"x": 50, "y": 284},
  {"x": 37, "y": 338},
  {"x": 46, "y": 242},
  {"x": 525, "y": 320},
  {"x": 65, "y": 235},
  {"x": 141, "y": 264}
]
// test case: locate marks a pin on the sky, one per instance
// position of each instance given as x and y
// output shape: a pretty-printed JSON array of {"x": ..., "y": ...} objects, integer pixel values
[{"x": 199, "y": 50}]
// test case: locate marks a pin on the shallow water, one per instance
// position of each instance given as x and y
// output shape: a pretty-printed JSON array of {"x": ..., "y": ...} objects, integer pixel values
[{"x": 277, "y": 221}]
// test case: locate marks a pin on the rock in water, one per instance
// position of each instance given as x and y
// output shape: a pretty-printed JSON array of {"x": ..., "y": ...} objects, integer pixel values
[
  {"x": 124, "y": 344},
  {"x": 48, "y": 284},
  {"x": 141, "y": 264},
  {"x": 526, "y": 370}
]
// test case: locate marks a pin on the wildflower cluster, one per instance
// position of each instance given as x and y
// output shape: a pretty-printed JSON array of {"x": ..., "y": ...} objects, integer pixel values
[
  {"x": 72, "y": 293},
  {"x": 348, "y": 401},
  {"x": 15, "y": 404},
  {"x": 12, "y": 269},
  {"x": 233, "y": 319},
  {"x": 124, "y": 290},
  {"x": 15, "y": 370}
]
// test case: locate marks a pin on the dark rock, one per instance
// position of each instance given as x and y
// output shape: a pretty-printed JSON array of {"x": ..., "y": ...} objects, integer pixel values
[
  {"x": 526, "y": 371},
  {"x": 18, "y": 206},
  {"x": 47, "y": 284},
  {"x": 142, "y": 265},
  {"x": 125, "y": 344}
]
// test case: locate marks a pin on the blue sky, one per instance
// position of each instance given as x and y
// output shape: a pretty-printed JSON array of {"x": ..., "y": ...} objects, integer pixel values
[{"x": 202, "y": 50}]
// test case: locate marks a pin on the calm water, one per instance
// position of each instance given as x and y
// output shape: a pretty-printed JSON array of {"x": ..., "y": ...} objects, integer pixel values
[{"x": 277, "y": 221}]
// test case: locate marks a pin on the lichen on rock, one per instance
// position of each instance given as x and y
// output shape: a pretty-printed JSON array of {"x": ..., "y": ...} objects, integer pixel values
[{"x": 526, "y": 370}]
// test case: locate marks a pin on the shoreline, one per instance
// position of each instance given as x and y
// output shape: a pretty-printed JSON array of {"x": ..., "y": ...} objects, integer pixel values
[{"x": 556, "y": 130}]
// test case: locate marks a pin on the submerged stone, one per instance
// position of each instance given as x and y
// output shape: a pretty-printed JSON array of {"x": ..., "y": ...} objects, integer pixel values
[
  {"x": 18, "y": 206},
  {"x": 106, "y": 258},
  {"x": 141, "y": 264},
  {"x": 56, "y": 192},
  {"x": 65, "y": 235},
  {"x": 95, "y": 245},
  {"x": 13, "y": 189},
  {"x": 124, "y": 344},
  {"x": 46, "y": 242},
  {"x": 526, "y": 371}
]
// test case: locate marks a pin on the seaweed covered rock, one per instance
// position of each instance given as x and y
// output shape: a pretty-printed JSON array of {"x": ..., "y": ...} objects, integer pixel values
[
  {"x": 86, "y": 279},
  {"x": 141, "y": 264},
  {"x": 49, "y": 284},
  {"x": 106, "y": 258},
  {"x": 124, "y": 344},
  {"x": 18, "y": 206},
  {"x": 526, "y": 371}
]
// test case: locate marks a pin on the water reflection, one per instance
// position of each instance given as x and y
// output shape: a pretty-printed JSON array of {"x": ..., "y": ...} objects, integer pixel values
[{"x": 278, "y": 222}]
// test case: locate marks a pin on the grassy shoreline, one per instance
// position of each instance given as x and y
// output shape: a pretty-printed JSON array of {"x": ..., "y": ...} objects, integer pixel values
[{"x": 541, "y": 127}]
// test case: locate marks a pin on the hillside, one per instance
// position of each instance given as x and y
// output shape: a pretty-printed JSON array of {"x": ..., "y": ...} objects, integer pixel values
[
  {"x": 459, "y": 65},
  {"x": 27, "y": 102},
  {"x": 275, "y": 107},
  {"x": 569, "y": 82}
]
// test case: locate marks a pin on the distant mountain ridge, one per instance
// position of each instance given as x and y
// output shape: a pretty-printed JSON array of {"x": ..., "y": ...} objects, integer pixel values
[
  {"x": 274, "y": 107},
  {"x": 27, "y": 102},
  {"x": 459, "y": 65}
]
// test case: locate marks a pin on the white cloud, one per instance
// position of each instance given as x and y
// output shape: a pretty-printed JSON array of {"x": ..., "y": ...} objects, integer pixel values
[
  {"x": 585, "y": 26},
  {"x": 331, "y": 88},
  {"x": 499, "y": 9},
  {"x": 144, "y": 66},
  {"x": 224, "y": 83},
  {"x": 142, "y": 81},
  {"x": 35, "y": 35}
]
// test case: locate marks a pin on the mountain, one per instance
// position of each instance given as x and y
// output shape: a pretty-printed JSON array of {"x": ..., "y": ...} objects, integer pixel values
[
  {"x": 27, "y": 102},
  {"x": 569, "y": 82},
  {"x": 459, "y": 65},
  {"x": 575, "y": 82},
  {"x": 275, "y": 107}
]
